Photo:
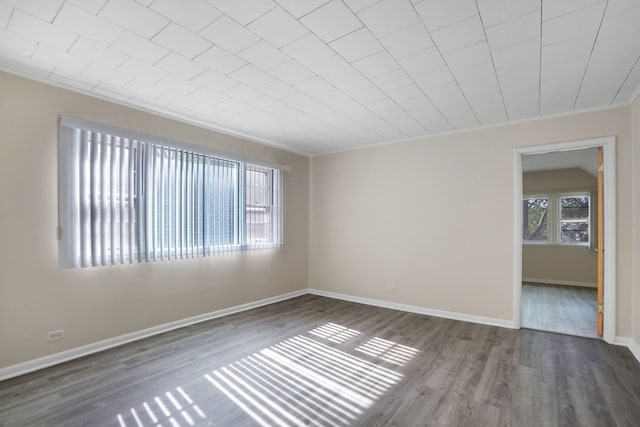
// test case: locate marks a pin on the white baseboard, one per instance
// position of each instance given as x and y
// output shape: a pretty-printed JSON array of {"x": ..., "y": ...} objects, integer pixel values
[
  {"x": 561, "y": 282},
  {"x": 417, "y": 309},
  {"x": 74, "y": 353},
  {"x": 631, "y": 344}
]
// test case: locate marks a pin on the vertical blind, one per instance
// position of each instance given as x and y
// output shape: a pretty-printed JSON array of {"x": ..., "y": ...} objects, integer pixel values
[{"x": 123, "y": 199}]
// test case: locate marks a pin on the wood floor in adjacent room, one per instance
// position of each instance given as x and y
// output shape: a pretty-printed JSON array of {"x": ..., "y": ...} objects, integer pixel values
[
  {"x": 565, "y": 309},
  {"x": 318, "y": 361}
]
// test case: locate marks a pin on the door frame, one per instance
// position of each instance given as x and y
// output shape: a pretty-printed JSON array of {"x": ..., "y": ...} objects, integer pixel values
[{"x": 609, "y": 198}]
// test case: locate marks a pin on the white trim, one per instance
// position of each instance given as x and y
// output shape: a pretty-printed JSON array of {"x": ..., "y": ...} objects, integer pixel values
[
  {"x": 478, "y": 128},
  {"x": 609, "y": 196},
  {"x": 631, "y": 344},
  {"x": 560, "y": 282},
  {"x": 74, "y": 353},
  {"x": 416, "y": 309}
]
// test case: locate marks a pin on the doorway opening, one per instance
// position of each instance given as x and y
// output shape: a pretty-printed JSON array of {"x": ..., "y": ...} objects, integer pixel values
[{"x": 564, "y": 280}]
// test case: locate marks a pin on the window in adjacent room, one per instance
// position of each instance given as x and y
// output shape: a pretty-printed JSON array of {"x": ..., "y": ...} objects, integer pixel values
[
  {"x": 556, "y": 218},
  {"x": 129, "y": 198}
]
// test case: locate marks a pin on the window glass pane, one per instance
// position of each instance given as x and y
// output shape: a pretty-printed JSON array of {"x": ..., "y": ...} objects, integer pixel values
[
  {"x": 574, "y": 219},
  {"x": 259, "y": 210},
  {"x": 535, "y": 223}
]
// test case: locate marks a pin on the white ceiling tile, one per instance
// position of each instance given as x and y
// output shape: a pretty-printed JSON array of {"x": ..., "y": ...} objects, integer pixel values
[
  {"x": 82, "y": 22},
  {"x": 462, "y": 34},
  {"x": 469, "y": 56},
  {"x": 621, "y": 27},
  {"x": 215, "y": 81},
  {"x": 410, "y": 40},
  {"x": 422, "y": 61},
  {"x": 177, "y": 84},
  {"x": 73, "y": 79},
  {"x": 486, "y": 101},
  {"x": 315, "y": 86},
  {"x": 554, "y": 8},
  {"x": 376, "y": 64},
  {"x": 333, "y": 98},
  {"x": 229, "y": 35},
  {"x": 244, "y": 11},
  {"x": 619, "y": 6},
  {"x": 43, "y": 9},
  {"x": 142, "y": 70},
  {"x": 479, "y": 72},
  {"x": 184, "y": 42},
  {"x": 263, "y": 55},
  {"x": 498, "y": 11},
  {"x": 209, "y": 96},
  {"x": 437, "y": 14},
  {"x": 432, "y": 119},
  {"x": 194, "y": 15},
  {"x": 523, "y": 53},
  {"x": 37, "y": 29},
  {"x": 351, "y": 83},
  {"x": 299, "y": 8},
  {"x": 134, "y": 17},
  {"x": 96, "y": 52},
  {"x": 60, "y": 58},
  {"x": 176, "y": 100},
  {"x": 584, "y": 21},
  {"x": 388, "y": 16},
  {"x": 181, "y": 66},
  {"x": 402, "y": 93},
  {"x": 277, "y": 89},
  {"x": 368, "y": 95},
  {"x": 16, "y": 43},
  {"x": 21, "y": 61},
  {"x": 448, "y": 98},
  {"x": 91, "y": 6},
  {"x": 220, "y": 60},
  {"x": 524, "y": 105},
  {"x": 630, "y": 85},
  {"x": 308, "y": 50},
  {"x": 392, "y": 79},
  {"x": 565, "y": 50},
  {"x": 252, "y": 76},
  {"x": 356, "y": 45},
  {"x": 418, "y": 103},
  {"x": 358, "y": 5},
  {"x": 278, "y": 27},
  {"x": 517, "y": 30},
  {"x": 5, "y": 14},
  {"x": 331, "y": 21},
  {"x": 333, "y": 68},
  {"x": 107, "y": 75},
  {"x": 139, "y": 48},
  {"x": 243, "y": 93},
  {"x": 292, "y": 73}
]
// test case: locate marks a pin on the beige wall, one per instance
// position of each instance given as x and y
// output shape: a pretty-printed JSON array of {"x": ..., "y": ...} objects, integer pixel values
[
  {"x": 635, "y": 127},
  {"x": 93, "y": 304},
  {"x": 559, "y": 264},
  {"x": 435, "y": 216}
]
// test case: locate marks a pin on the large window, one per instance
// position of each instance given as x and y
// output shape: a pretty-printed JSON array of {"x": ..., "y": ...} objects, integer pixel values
[
  {"x": 556, "y": 218},
  {"x": 125, "y": 199}
]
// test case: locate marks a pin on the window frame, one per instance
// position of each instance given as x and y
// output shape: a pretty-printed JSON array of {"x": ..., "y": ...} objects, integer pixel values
[
  {"x": 72, "y": 252},
  {"x": 554, "y": 218}
]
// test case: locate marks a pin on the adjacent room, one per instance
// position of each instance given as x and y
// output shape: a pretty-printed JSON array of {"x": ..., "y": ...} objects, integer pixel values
[{"x": 319, "y": 212}]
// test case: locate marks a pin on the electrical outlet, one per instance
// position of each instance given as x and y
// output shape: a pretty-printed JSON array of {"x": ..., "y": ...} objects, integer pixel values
[
  {"x": 392, "y": 287},
  {"x": 56, "y": 335}
]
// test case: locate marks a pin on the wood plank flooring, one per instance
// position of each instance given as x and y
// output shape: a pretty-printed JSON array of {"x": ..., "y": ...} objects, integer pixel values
[
  {"x": 564, "y": 309},
  {"x": 318, "y": 361}
]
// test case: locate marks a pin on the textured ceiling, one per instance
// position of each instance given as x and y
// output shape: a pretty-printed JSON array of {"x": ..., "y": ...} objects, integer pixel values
[{"x": 316, "y": 76}]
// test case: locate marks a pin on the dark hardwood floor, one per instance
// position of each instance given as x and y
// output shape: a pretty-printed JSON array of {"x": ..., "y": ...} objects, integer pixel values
[
  {"x": 564, "y": 309},
  {"x": 323, "y": 362}
]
